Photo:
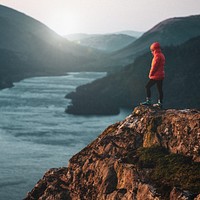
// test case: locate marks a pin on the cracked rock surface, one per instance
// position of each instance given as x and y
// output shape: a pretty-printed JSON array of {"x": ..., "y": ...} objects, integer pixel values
[{"x": 151, "y": 155}]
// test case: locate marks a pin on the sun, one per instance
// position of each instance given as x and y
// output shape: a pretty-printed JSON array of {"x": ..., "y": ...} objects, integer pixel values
[{"x": 66, "y": 23}]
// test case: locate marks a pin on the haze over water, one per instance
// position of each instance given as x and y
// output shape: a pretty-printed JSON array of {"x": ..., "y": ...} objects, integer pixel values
[{"x": 35, "y": 132}]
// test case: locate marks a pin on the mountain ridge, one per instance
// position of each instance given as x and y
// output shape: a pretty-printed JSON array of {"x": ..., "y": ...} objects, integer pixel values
[
  {"x": 79, "y": 36},
  {"x": 37, "y": 48},
  {"x": 106, "y": 42},
  {"x": 172, "y": 31}
]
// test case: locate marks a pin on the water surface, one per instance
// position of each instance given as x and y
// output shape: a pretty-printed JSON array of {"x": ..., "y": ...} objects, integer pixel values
[{"x": 35, "y": 132}]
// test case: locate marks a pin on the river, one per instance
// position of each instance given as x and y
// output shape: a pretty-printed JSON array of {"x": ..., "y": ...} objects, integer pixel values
[{"x": 35, "y": 132}]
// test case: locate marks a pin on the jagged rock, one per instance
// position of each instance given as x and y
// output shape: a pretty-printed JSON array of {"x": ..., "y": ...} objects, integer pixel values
[
  {"x": 141, "y": 158},
  {"x": 197, "y": 198},
  {"x": 177, "y": 194},
  {"x": 146, "y": 192}
]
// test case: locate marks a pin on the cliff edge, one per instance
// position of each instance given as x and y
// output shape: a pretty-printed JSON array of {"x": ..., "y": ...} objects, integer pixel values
[{"x": 152, "y": 155}]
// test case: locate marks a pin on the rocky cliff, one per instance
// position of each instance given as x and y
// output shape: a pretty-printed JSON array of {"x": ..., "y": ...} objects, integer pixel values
[{"x": 151, "y": 155}]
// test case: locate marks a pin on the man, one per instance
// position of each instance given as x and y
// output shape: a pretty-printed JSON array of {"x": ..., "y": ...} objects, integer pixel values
[{"x": 156, "y": 75}]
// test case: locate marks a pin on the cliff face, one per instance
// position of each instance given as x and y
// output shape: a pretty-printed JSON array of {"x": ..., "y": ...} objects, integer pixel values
[{"x": 153, "y": 154}]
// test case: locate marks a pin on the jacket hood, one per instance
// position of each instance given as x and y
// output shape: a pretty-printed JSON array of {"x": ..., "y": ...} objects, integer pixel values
[{"x": 155, "y": 46}]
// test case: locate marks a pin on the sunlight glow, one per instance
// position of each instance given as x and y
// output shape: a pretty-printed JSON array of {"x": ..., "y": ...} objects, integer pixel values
[
  {"x": 103, "y": 16},
  {"x": 65, "y": 24}
]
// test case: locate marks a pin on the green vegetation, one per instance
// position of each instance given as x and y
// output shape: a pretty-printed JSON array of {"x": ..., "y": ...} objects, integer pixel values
[{"x": 169, "y": 170}]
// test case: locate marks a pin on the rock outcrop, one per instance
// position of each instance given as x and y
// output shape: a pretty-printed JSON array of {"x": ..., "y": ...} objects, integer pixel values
[{"x": 152, "y": 155}]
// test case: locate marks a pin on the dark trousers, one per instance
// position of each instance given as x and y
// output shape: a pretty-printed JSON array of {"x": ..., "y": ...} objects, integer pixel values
[{"x": 159, "y": 84}]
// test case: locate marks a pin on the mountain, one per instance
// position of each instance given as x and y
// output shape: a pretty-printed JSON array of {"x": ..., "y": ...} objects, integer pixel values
[
  {"x": 79, "y": 36},
  {"x": 152, "y": 154},
  {"x": 106, "y": 42},
  {"x": 126, "y": 88},
  {"x": 135, "y": 34},
  {"x": 169, "y": 32},
  {"x": 30, "y": 48}
]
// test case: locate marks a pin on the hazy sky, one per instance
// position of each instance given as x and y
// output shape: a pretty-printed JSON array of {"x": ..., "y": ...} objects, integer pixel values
[{"x": 103, "y": 16}]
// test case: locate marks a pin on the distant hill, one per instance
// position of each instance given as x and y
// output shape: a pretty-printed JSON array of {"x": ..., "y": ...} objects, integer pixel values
[
  {"x": 172, "y": 31},
  {"x": 135, "y": 34},
  {"x": 28, "y": 47},
  {"x": 126, "y": 87},
  {"x": 104, "y": 42},
  {"x": 79, "y": 36},
  {"x": 108, "y": 43}
]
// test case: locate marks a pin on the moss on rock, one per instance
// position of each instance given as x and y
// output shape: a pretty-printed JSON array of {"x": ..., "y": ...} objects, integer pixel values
[{"x": 169, "y": 170}]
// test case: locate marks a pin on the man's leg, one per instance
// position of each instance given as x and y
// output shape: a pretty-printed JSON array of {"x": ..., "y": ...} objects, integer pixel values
[
  {"x": 148, "y": 92},
  {"x": 148, "y": 88},
  {"x": 159, "y": 84},
  {"x": 160, "y": 90}
]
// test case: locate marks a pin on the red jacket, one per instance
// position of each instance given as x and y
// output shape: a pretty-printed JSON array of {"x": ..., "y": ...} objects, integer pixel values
[{"x": 157, "y": 65}]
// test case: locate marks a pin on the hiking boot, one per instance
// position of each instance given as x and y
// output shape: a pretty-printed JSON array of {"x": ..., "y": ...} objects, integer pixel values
[
  {"x": 158, "y": 105},
  {"x": 147, "y": 102}
]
